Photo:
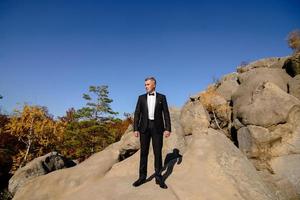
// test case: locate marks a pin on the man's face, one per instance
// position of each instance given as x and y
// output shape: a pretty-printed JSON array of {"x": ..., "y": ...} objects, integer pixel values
[{"x": 149, "y": 85}]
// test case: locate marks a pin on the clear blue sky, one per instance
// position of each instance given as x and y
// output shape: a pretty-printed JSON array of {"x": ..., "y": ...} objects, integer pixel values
[{"x": 52, "y": 51}]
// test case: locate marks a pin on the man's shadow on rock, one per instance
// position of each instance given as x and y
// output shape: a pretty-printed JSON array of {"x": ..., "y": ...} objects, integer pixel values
[{"x": 169, "y": 163}]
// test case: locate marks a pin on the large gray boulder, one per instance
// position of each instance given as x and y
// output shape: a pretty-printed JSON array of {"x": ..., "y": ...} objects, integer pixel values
[
  {"x": 228, "y": 85},
  {"x": 38, "y": 167},
  {"x": 250, "y": 83},
  {"x": 194, "y": 116},
  {"x": 266, "y": 105},
  {"x": 256, "y": 76}
]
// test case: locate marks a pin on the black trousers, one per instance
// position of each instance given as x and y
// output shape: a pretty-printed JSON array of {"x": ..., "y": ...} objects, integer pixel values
[{"x": 157, "y": 143}]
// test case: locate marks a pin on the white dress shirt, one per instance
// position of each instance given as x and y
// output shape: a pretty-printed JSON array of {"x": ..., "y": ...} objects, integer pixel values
[{"x": 151, "y": 105}]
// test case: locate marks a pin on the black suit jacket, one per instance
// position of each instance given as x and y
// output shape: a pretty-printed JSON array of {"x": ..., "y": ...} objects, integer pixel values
[{"x": 161, "y": 114}]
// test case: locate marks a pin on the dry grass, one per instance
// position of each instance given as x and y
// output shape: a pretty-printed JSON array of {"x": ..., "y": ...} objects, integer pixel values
[
  {"x": 207, "y": 99},
  {"x": 293, "y": 40},
  {"x": 220, "y": 110}
]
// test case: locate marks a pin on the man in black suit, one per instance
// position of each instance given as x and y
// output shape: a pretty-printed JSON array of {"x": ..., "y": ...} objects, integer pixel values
[{"x": 151, "y": 120}]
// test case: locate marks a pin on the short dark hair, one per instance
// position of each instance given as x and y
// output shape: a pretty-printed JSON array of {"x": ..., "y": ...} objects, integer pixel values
[{"x": 151, "y": 78}]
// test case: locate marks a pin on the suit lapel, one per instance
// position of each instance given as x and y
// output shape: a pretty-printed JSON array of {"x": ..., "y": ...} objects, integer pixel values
[
  {"x": 145, "y": 101},
  {"x": 156, "y": 101}
]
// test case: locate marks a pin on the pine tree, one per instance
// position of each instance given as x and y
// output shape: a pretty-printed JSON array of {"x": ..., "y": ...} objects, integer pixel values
[{"x": 97, "y": 108}]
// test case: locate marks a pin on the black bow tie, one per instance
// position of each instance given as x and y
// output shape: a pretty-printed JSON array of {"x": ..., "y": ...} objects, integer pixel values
[{"x": 151, "y": 93}]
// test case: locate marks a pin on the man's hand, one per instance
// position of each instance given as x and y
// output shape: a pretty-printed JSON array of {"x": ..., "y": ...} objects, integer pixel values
[
  {"x": 136, "y": 133},
  {"x": 167, "y": 133}
]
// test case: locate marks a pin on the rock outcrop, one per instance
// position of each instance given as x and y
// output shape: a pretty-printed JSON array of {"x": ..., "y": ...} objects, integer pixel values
[
  {"x": 37, "y": 167},
  {"x": 266, "y": 114},
  {"x": 209, "y": 167},
  {"x": 239, "y": 139}
]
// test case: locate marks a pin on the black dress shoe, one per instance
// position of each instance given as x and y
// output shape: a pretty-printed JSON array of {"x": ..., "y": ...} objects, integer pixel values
[
  {"x": 139, "y": 182},
  {"x": 161, "y": 183}
]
